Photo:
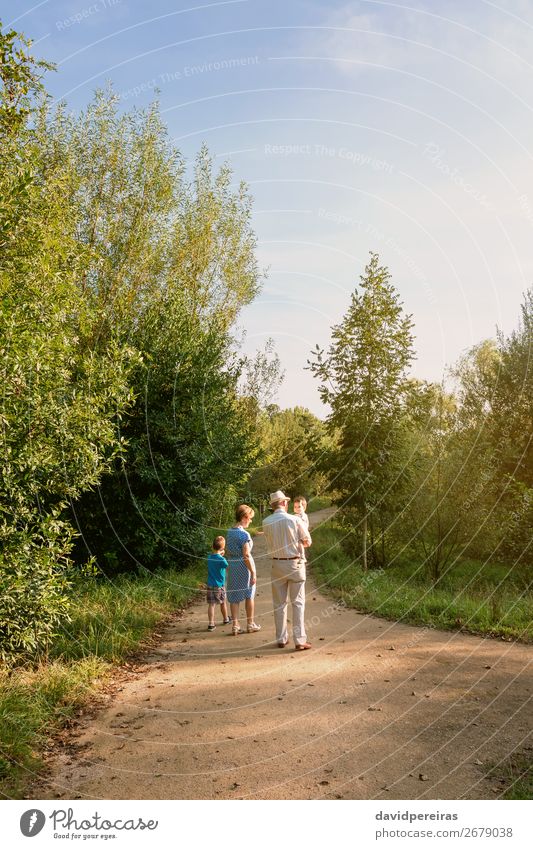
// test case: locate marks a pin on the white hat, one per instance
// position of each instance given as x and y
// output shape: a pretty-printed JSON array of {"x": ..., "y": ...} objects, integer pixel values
[{"x": 278, "y": 496}]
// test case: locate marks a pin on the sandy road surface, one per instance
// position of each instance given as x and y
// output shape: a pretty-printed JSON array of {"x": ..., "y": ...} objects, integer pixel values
[{"x": 375, "y": 710}]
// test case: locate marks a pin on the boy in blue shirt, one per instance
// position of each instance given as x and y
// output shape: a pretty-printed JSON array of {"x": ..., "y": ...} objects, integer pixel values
[{"x": 216, "y": 578}]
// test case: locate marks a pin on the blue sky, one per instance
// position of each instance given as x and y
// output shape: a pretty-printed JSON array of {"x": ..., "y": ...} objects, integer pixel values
[{"x": 403, "y": 129}]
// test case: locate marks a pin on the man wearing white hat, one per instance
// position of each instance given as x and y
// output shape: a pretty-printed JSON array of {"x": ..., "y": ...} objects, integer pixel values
[{"x": 284, "y": 536}]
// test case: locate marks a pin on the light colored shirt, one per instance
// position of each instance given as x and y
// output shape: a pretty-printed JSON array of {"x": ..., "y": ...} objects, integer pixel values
[
  {"x": 284, "y": 534},
  {"x": 303, "y": 517}
]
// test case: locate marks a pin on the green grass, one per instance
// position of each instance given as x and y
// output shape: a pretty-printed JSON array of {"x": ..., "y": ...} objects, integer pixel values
[
  {"x": 34, "y": 704},
  {"x": 483, "y": 599},
  {"x": 113, "y": 617},
  {"x": 516, "y": 775},
  {"x": 110, "y": 620}
]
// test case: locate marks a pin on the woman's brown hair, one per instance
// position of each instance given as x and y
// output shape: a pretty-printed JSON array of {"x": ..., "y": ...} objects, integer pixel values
[{"x": 242, "y": 511}]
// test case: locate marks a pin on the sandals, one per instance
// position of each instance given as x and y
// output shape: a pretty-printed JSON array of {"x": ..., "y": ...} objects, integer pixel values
[{"x": 251, "y": 629}]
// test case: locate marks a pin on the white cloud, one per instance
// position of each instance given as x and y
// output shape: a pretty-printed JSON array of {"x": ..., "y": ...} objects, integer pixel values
[{"x": 469, "y": 46}]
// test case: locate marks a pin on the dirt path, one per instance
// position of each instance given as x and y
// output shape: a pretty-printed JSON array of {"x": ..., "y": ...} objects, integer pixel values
[{"x": 375, "y": 710}]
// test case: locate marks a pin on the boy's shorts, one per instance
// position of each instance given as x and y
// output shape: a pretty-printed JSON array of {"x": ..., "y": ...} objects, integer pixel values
[{"x": 216, "y": 595}]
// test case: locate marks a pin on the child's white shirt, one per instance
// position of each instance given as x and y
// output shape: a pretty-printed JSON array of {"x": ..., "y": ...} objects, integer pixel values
[{"x": 304, "y": 519}]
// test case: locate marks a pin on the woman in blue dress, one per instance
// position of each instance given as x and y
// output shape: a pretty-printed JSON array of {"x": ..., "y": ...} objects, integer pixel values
[{"x": 241, "y": 572}]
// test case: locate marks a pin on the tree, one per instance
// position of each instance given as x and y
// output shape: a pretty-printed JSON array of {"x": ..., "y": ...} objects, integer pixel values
[
  {"x": 495, "y": 417},
  {"x": 60, "y": 402},
  {"x": 188, "y": 446},
  {"x": 362, "y": 378},
  {"x": 262, "y": 377},
  {"x": 20, "y": 77},
  {"x": 511, "y": 402},
  {"x": 439, "y": 507},
  {"x": 470, "y": 492},
  {"x": 294, "y": 442},
  {"x": 497, "y": 387},
  {"x": 172, "y": 262}
]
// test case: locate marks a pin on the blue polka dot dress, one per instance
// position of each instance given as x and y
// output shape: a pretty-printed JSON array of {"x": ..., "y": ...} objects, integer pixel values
[{"x": 238, "y": 586}]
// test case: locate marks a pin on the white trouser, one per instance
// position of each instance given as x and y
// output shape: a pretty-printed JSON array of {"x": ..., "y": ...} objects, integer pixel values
[{"x": 288, "y": 580}]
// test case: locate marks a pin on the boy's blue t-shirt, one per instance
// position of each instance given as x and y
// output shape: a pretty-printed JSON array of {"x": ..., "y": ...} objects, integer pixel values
[{"x": 216, "y": 570}]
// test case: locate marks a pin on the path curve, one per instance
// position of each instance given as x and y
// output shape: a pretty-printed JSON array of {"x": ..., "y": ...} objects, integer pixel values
[{"x": 375, "y": 710}]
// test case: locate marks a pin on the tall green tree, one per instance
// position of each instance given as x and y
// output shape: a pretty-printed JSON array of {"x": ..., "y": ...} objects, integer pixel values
[
  {"x": 470, "y": 491},
  {"x": 511, "y": 399},
  {"x": 496, "y": 386},
  {"x": 171, "y": 264},
  {"x": 363, "y": 380},
  {"x": 444, "y": 501},
  {"x": 60, "y": 401}
]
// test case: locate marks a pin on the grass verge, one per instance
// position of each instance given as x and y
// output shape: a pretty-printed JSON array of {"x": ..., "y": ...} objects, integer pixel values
[
  {"x": 110, "y": 620},
  {"x": 483, "y": 599},
  {"x": 515, "y": 775}
]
